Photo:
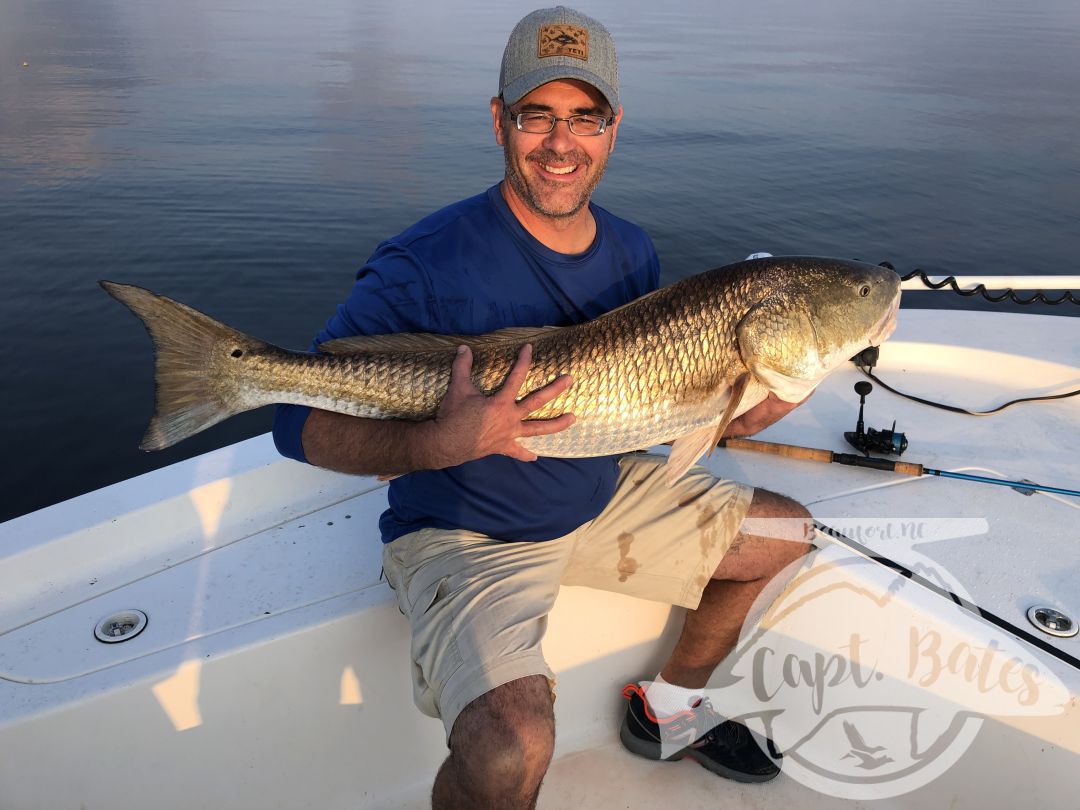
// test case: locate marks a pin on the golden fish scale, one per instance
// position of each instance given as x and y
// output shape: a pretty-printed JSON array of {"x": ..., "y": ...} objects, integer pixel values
[{"x": 638, "y": 372}]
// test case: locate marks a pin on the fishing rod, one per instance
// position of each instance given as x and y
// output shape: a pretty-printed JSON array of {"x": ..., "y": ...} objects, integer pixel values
[
  {"x": 891, "y": 442},
  {"x": 903, "y": 467}
]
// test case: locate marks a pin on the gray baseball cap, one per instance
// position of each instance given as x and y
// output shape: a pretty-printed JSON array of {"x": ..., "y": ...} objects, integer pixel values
[{"x": 559, "y": 43}]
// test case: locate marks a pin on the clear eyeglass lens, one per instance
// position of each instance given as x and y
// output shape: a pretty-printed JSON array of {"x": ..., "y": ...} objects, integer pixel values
[{"x": 540, "y": 123}]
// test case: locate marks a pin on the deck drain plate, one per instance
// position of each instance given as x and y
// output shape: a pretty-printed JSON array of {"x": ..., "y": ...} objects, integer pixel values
[
  {"x": 1052, "y": 621},
  {"x": 120, "y": 626}
]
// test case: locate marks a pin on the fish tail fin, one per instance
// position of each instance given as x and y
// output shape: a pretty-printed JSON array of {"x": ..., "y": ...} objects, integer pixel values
[{"x": 193, "y": 389}]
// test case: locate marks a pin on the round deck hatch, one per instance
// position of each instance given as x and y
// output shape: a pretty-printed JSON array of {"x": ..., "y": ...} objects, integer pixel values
[
  {"x": 1052, "y": 621},
  {"x": 120, "y": 626}
]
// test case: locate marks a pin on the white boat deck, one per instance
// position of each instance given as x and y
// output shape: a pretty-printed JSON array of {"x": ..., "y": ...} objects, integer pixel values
[{"x": 273, "y": 671}]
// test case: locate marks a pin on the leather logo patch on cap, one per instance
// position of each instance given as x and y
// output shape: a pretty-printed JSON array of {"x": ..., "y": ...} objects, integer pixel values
[{"x": 560, "y": 39}]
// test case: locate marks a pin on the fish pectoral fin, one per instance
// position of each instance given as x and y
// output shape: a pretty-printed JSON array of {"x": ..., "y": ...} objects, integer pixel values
[
  {"x": 738, "y": 388},
  {"x": 426, "y": 342},
  {"x": 686, "y": 451}
]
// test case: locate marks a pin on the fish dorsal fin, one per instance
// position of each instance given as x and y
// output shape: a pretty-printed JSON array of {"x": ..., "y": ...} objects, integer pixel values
[
  {"x": 425, "y": 342},
  {"x": 512, "y": 334},
  {"x": 404, "y": 342},
  {"x": 689, "y": 448}
]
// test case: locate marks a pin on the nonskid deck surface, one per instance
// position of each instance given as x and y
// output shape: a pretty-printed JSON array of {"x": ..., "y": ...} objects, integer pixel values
[{"x": 273, "y": 648}]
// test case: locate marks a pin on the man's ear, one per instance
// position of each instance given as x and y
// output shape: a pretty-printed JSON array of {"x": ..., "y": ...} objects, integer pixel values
[
  {"x": 497, "y": 120},
  {"x": 615, "y": 130}
]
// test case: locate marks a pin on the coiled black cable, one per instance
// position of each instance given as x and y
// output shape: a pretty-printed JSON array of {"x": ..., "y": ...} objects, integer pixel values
[{"x": 980, "y": 289}]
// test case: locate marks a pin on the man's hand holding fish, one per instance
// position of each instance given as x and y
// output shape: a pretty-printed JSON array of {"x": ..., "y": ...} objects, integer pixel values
[{"x": 472, "y": 425}]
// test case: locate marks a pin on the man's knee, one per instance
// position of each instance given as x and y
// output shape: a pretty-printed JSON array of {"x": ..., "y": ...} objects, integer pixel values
[
  {"x": 507, "y": 735},
  {"x": 775, "y": 532},
  {"x": 766, "y": 503},
  {"x": 777, "y": 517}
]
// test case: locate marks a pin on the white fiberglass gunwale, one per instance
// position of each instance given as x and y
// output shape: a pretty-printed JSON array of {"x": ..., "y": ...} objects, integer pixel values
[
  {"x": 999, "y": 283},
  {"x": 273, "y": 671}
]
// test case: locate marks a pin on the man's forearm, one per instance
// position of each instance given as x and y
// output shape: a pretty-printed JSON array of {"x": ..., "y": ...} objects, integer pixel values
[{"x": 357, "y": 446}]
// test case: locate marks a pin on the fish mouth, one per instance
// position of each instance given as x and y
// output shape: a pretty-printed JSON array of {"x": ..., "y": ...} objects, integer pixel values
[{"x": 885, "y": 327}]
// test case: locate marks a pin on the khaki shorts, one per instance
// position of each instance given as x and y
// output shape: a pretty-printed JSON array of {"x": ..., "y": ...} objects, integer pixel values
[{"x": 478, "y": 606}]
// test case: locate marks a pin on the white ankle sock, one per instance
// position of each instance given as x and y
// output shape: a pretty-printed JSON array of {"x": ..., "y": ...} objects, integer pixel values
[{"x": 666, "y": 698}]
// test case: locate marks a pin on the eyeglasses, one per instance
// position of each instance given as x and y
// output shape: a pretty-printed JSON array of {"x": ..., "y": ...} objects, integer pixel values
[{"x": 540, "y": 123}]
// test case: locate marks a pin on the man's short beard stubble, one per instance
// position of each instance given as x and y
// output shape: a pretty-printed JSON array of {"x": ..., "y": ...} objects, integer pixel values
[{"x": 521, "y": 187}]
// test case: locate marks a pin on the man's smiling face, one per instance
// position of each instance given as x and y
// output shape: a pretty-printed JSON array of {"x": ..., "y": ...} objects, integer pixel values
[{"x": 554, "y": 174}]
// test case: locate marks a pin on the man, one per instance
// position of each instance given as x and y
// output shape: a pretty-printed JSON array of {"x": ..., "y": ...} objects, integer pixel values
[{"x": 480, "y": 533}]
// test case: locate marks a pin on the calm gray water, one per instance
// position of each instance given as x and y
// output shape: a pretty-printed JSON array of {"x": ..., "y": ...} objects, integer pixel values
[{"x": 245, "y": 158}]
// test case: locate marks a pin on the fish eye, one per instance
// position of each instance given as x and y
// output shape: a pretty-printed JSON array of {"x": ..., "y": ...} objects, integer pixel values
[
  {"x": 864, "y": 290},
  {"x": 237, "y": 353}
]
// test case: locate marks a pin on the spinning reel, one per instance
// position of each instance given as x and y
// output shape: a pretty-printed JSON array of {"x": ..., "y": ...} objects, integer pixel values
[{"x": 889, "y": 442}]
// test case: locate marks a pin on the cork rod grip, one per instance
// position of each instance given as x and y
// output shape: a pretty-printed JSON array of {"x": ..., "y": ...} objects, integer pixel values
[
  {"x": 774, "y": 449},
  {"x": 907, "y": 468}
]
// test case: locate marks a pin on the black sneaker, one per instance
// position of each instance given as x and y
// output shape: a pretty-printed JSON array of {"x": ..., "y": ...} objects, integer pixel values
[{"x": 722, "y": 746}]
